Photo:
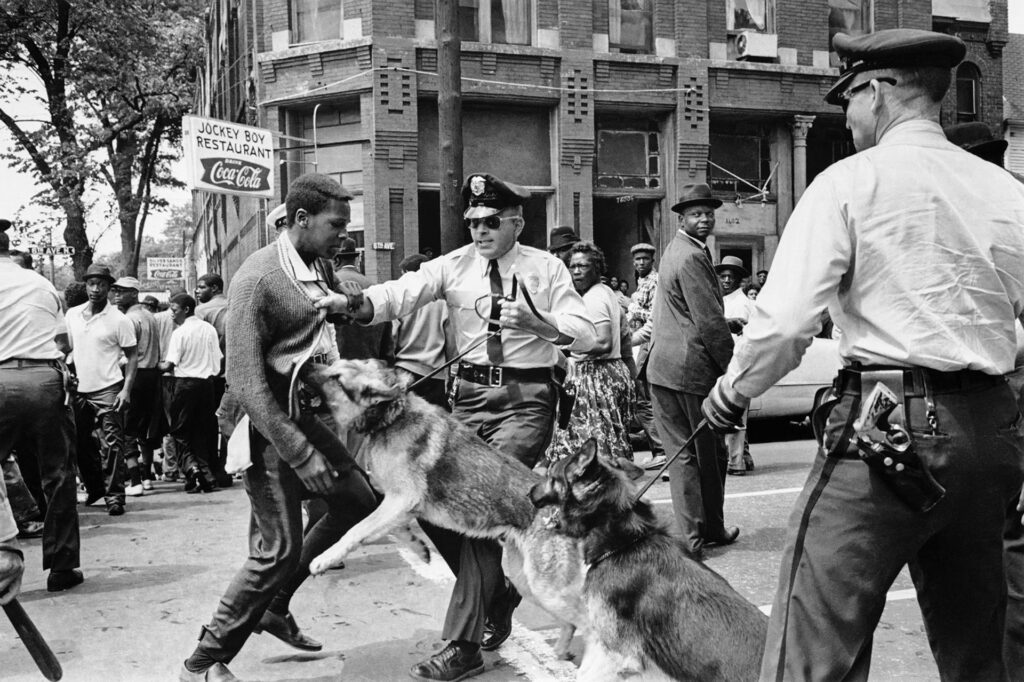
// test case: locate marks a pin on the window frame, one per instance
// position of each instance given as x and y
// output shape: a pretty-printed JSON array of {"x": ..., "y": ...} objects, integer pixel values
[
  {"x": 769, "y": 18},
  {"x": 294, "y": 24},
  {"x": 615, "y": 9},
  {"x": 867, "y": 19},
  {"x": 974, "y": 78},
  {"x": 485, "y": 24}
]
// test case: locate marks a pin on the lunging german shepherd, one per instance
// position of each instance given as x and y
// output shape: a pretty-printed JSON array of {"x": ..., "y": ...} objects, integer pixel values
[
  {"x": 432, "y": 467},
  {"x": 648, "y": 609}
]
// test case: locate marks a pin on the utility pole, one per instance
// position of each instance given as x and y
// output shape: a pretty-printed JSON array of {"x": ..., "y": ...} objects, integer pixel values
[{"x": 449, "y": 120}]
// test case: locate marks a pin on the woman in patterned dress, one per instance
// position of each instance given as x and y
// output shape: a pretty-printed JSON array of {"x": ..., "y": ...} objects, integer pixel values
[{"x": 599, "y": 380}]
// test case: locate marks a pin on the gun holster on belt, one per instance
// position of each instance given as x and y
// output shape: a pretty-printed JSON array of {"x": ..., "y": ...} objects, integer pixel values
[{"x": 885, "y": 444}]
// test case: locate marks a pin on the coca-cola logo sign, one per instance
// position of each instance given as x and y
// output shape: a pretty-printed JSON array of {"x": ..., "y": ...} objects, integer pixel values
[{"x": 235, "y": 174}]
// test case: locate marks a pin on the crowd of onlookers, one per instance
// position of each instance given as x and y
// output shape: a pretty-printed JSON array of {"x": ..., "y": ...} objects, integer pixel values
[{"x": 139, "y": 384}]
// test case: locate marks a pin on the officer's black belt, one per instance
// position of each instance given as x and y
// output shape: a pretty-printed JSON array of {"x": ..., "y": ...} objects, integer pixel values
[
  {"x": 501, "y": 376},
  {"x": 920, "y": 380}
]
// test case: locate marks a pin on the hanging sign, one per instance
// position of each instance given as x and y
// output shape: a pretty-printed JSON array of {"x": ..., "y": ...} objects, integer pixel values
[{"x": 227, "y": 158}]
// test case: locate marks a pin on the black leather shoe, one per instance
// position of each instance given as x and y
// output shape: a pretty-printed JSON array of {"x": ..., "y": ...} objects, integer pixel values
[
  {"x": 285, "y": 629},
  {"x": 30, "y": 530},
  {"x": 449, "y": 664},
  {"x": 498, "y": 625},
  {"x": 730, "y": 537},
  {"x": 58, "y": 581}
]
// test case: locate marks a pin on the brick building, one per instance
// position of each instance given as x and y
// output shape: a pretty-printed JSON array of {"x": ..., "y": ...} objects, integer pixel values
[{"x": 603, "y": 108}]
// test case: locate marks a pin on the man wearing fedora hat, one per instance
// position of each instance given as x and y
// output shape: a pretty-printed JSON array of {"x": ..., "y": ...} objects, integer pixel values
[
  {"x": 737, "y": 311},
  {"x": 737, "y": 306},
  {"x": 100, "y": 334},
  {"x": 690, "y": 348},
  {"x": 560, "y": 242},
  {"x": 917, "y": 250}
]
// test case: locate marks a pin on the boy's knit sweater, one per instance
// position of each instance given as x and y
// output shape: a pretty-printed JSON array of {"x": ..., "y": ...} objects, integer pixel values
[{"x": 271, "y": 320}]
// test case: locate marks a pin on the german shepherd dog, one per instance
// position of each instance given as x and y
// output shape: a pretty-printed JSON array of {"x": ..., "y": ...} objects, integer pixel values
[
  {"x": 648, "y": 609},
  {"x": 432, "y": 467}
]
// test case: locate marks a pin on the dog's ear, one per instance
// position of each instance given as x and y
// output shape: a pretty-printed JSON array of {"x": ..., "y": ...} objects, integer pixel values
[
  {"x": 584, "y": 458},
  {"x": 381, "y": 386},
  {"x": 632, "y": 471}
]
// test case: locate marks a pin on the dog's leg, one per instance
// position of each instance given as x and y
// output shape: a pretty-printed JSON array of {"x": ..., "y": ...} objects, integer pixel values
[
  {"x": 564, "y": 641},
  {"x": 393, "y": 511}
]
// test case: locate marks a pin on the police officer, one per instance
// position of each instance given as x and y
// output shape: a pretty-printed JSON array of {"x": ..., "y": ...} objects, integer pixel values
[
  {"x": 926, "y": 292},
  {"x": 34, "y": 409},
  {"x": 505, "y": 386}
]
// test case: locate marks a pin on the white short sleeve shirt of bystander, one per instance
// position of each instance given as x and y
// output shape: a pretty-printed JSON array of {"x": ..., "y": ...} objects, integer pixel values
[
  {"x": 98, "y": 342},
  {"x": 194, "y": 350}
]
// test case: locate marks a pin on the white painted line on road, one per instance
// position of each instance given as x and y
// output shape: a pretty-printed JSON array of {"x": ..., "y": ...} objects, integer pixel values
[
  {"x": 732, "y": 496},
  {"x": 525, "y": 650},
  {"x": 895, "y": 595}
]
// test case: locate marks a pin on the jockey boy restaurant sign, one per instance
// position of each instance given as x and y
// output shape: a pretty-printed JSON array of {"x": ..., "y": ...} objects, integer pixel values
[{"x": 228, "y": 158}]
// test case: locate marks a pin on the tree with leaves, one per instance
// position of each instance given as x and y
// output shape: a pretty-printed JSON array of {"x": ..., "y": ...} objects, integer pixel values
[{"x": 114, "y": 77}]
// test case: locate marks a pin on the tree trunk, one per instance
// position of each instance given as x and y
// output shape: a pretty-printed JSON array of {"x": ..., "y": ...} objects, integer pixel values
[
  {"x": 74, "y": 233},
  {"x": 122, "y": 154}
]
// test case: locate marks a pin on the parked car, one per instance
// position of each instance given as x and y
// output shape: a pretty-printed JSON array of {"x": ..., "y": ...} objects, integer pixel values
[{"x": 792, "y": 397}]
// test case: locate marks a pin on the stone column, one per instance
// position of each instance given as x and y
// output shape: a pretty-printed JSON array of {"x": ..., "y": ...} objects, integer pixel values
[{"x": 801, "y": 126}]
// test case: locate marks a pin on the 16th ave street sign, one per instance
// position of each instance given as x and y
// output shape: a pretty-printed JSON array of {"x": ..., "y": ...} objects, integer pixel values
[
  {"x": 51, "y": 250},
  {"x": 165, "y": 268}
]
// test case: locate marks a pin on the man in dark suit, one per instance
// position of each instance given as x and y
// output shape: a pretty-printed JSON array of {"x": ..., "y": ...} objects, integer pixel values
[{"x": 690, "y": 348}]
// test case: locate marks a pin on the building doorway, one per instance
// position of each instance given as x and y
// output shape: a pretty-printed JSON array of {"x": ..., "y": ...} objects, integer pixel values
[{"x": 619, "y": 223}]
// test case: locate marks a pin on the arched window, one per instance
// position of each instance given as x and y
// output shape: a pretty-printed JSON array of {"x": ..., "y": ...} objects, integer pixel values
[{"x": 968, "y": 93}]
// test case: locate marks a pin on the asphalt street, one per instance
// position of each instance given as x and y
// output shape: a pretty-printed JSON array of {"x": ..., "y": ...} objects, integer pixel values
[{"x": 154, "y": 576}]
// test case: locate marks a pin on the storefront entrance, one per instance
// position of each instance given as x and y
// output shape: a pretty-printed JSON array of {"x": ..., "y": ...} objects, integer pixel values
[{"x": 621, "y": 222}]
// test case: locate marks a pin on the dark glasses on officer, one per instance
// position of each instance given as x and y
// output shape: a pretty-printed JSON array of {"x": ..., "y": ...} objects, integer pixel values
[
  {"x": 491, "y": 222},
  {"x": 846, "y": 95}
]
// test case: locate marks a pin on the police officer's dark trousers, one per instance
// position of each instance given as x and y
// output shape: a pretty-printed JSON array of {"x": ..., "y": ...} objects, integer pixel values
[
  {"x": 516, "y": 419},
  {"x": 850, "y": 536}
]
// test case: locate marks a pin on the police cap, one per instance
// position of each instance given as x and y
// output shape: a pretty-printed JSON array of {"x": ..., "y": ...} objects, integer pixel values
[
  {"x": 484, "y": 195},
  {"x": 894, "y": 48},
  {"x": 277, "y": 218}
]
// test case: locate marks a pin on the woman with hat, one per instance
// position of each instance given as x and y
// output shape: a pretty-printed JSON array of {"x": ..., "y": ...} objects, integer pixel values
[{"x": 599, "y": 379}]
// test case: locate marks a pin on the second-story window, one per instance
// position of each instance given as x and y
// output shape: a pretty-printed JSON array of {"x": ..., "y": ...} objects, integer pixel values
[
  {"x": 852, "y": 17},
  {"x": 314, "y": 20},
  {"x": 750, "y": 15},
  {"x": 968, "y": 92},
  {"x": 631, "y": 25},
  {"x": 505, "y": 22}
]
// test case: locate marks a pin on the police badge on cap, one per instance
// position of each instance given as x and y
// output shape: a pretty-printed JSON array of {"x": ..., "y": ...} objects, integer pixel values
[{"x": 484, "y": 195}]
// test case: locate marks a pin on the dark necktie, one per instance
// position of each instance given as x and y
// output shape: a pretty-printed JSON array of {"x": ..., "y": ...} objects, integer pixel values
[
  {"x": 494, "y": 354},
  {"x": 708, "y": 252}
]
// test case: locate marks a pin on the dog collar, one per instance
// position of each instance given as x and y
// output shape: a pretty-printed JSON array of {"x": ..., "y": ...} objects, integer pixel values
[{"x": 618, "y": 550}]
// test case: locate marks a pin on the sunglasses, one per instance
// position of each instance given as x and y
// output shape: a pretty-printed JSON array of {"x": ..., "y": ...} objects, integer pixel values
[
  {"x": 847, "y": 95},
  {"x": 491, "y": 222}
]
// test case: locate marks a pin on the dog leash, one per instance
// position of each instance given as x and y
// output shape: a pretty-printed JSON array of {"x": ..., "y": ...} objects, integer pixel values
[{"x": 696, "y": 432}]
